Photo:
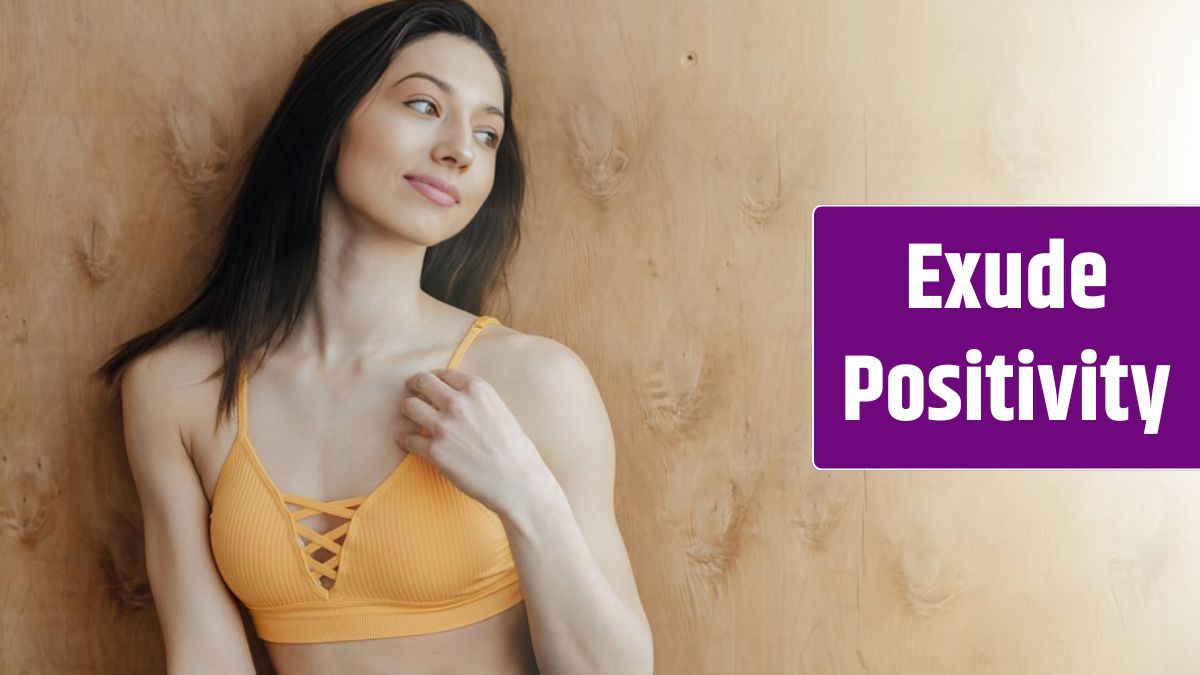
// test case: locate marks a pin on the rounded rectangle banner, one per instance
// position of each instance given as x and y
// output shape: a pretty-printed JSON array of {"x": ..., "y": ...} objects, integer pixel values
[{"x": 1005, "y": 337}]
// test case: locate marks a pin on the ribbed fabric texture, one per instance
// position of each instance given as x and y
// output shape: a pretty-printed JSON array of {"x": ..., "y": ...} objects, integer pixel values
[{"x": 417, "y": 555}]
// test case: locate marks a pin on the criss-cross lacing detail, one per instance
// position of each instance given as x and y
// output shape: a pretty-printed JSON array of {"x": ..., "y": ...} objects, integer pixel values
[
  {"x": 332, "y": 540},
  {"x": 342, "y": 508}
]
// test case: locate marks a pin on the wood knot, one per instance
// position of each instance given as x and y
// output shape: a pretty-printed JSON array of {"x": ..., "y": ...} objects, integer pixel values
[
  {"x": 1012, "y": 134},
  {"x": 762, "y": 195},
  {"x": 1138, "y": 544},
  {"x": 709, "y": 506},
  {"x": 96, "y": 250},
  {"x": 14, "y": 329},
  {"x": 718, "y": 515},
  {"x": 123, "y": 563},
  {"x": 28, "y": 492},
  {"x": 822, "y": 503},
  {"x": 599, "y": 140},
  {"x": 194, "y": 145},
  {"x": 675, "y": 388},
  {"x": 928, "y": 586}
]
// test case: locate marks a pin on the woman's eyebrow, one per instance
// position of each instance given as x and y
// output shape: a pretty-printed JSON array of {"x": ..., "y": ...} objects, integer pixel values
[{"x": 490, "y": 109}]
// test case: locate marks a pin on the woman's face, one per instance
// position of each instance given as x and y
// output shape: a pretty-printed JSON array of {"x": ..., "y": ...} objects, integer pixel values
[{"x": 435, "y": 115}]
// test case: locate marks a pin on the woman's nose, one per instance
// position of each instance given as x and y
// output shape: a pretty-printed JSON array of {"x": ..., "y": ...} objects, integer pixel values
[{"x": 456, "y": 146}]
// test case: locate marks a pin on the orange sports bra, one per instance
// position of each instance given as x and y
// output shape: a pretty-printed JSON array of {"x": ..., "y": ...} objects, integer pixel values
[{"x": 414, "y": 556}]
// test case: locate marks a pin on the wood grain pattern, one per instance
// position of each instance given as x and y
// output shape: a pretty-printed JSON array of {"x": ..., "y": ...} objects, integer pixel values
[{"x": 676, "y": 151}]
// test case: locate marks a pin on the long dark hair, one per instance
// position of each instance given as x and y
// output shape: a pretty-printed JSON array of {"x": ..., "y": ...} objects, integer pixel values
[{"x": 267, "y": 263}]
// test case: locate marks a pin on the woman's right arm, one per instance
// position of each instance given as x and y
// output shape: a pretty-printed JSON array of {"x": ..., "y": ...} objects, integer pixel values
[{"x": 202, "y": 629}]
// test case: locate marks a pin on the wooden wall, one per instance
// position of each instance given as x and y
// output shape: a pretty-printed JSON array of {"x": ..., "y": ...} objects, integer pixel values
[{"x": 676, "y": 153}]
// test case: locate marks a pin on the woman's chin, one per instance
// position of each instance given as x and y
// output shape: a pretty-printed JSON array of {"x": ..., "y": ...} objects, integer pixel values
[{"x": 426, "y": 236}]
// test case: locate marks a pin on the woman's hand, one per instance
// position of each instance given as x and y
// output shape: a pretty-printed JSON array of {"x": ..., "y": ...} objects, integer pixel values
[{"x": 471, "y": 436}]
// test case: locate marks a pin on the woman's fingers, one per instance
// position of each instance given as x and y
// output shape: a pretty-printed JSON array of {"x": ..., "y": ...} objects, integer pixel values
[{"x": 432, "y": 387}]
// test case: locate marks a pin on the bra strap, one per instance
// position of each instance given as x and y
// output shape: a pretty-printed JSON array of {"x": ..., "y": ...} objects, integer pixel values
[{"x": 465, "y": 344}]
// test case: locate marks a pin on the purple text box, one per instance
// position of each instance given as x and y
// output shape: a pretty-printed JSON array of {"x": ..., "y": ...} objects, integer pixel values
[{"x": 861, "y": 307}]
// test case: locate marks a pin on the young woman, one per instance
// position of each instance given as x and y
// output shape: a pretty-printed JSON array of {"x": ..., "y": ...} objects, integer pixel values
[{"x": 334, "y": 434}]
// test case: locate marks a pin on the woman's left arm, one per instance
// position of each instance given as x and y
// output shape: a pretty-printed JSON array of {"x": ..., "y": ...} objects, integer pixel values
[{"x": 550, "y": 479}]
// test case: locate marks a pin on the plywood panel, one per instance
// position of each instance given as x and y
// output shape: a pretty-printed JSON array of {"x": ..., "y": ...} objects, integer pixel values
[{"x": 676, "y": 151}]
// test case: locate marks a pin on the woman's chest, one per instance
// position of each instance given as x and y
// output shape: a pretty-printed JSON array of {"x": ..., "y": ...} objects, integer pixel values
[
  {"x": 322, "y": 444},
  {"x": 366, "y": 519}
]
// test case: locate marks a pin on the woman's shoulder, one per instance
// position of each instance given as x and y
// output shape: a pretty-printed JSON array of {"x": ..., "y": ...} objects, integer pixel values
[
  {"x": 527, "y": 365},
  {"x": 509, "y": 349},
  {"x": 552, "y": 393},
  {"x": 178, "y": 376},
  {"x": 182, "y": 359}
]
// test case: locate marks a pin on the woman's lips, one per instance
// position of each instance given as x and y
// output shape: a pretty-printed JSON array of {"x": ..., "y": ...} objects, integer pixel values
[{"x": 433, "y": 194}]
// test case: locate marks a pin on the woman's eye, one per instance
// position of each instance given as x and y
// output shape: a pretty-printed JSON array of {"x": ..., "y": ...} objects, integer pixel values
[
  {"x": 493, "y": 139},
  {"x": 421, "y": 100}
]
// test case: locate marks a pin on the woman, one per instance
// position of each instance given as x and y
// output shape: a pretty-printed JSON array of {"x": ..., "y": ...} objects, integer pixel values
[{"x": 374, "y": 512}]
